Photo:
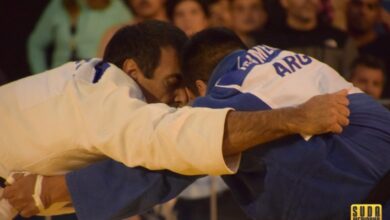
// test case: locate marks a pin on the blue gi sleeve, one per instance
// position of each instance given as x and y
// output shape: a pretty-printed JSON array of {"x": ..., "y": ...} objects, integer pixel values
[{"x": 110, "y": 190}]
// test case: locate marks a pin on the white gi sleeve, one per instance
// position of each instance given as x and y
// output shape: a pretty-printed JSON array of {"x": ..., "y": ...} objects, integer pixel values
[{"x": 186, "y": 141}]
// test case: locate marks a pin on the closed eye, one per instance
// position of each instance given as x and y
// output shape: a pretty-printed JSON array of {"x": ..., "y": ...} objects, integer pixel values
[{"x": 174, "y": 81}]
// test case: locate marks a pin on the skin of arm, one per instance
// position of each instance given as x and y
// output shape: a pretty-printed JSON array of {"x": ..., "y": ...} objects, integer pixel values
[{"x": 242, "y": 128}]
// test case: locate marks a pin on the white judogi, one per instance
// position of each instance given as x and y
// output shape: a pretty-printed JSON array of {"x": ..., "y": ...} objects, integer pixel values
[{"x": 60, "y": 120}]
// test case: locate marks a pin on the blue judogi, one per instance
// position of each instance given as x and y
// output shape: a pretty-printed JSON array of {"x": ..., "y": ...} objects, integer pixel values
[{"x": 291, "y": 178}]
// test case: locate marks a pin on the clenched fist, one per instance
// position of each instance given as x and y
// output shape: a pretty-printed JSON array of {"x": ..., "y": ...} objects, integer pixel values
[{"x": 323, "y": 114}]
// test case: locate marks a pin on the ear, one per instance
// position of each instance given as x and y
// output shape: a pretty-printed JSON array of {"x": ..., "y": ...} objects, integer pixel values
[
  {"x": 201, "y": 86},
  {"x": 130, "y": 67}
]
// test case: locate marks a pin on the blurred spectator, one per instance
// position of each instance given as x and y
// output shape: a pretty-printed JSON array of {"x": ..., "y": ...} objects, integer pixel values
[
  {"x": 219, "y": 13},
  {"x": 248, "y": 17},
  {"x": 276, "y": 14},
  {"x": 304, "y": 32},
  {"x": 74, "y": 29},
  {"x": 326, "y": 11},
  {"x": 148, "y": 9},
  {"x": 385, "y": 19},
  {"x": 363, "y": 17},
  {"x": 142, "y": 10},
  {"x": 339, "y": 19},
  {"x": 333, "y": 12},
  {"x": 191, "y": 16},
  {"x": 368, "y": 74}
]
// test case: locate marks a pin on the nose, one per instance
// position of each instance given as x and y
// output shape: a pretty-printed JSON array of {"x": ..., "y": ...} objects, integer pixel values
[{"x": 181, "y": 98}]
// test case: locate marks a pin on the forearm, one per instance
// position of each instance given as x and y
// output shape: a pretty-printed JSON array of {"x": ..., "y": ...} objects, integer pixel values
[
  {"x": 196, "y": 141},
  {"x": 321, "y": 114},
  {"x": 244, "y": 130},
  {"x": 59, "y": 191}
]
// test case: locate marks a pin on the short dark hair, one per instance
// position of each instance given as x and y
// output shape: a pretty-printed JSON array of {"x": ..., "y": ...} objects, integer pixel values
[
  {"x": 143, "y": 42},
  {"x": 370, "y": 62},
  {"x": 172, "y": 4},
  {"x": 204, "y": 51}
]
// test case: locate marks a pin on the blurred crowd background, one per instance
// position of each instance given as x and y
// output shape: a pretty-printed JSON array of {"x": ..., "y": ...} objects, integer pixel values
[{"x": 352, "y": 36}]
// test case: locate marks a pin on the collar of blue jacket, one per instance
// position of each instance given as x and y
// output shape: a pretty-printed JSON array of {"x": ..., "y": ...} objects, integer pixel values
[{"x": 227, "y": 64}]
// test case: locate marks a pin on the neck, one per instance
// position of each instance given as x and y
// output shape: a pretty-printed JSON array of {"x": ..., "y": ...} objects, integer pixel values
[
  {"x": 362, "y": 39},
  {"x": 73, "y": 10},
  {"x": 302, "y": 25},
  {"x": 160, "y": 16}
]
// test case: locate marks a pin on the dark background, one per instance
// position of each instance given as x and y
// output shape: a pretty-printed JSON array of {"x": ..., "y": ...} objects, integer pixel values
[{"x": 17, "y": 20}]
